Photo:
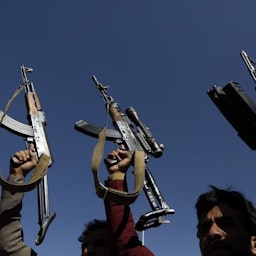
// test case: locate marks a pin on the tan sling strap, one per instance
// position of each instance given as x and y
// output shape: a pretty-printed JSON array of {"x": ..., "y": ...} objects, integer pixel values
[
  {"x": 17, "y": 91},
  {"x": 40, "y": 169},
  {"x": 39, "y": 172},
  {"x": 120, "y": 197}
]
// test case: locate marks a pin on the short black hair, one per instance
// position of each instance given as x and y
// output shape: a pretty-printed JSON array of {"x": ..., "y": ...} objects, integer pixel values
[
  {"x": 90, "y": 226},
  {"x": 234, "y": 199}
]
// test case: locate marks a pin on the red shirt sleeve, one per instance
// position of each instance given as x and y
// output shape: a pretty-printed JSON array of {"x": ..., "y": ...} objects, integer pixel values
[{"x": 123, "y": 235}]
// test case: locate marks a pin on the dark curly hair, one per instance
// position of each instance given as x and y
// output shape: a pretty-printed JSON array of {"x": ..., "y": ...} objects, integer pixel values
[
  {"x": 90, "y": 226},
  {"x": 234, "y": 199}
]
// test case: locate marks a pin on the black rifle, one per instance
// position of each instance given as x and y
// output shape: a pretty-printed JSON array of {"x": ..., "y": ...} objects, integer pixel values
[
  {"x": 236, "y": 106},
  {"x": 34, "y": 133},
  {"x": 134, "y": 135}
]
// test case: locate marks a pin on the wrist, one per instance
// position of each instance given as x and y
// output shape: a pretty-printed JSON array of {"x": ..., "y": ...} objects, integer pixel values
[
  {"x": 15, "y": 178},
  {"x": 116, "y": 176},
  {"x": 17, "y": 172}
]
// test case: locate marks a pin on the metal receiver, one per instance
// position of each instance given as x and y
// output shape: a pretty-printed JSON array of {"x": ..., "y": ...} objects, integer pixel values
[
  {"x": 34, "y": 133},
  {"x": 37, "y": 120},
  {"x": 131, "y": 132}
]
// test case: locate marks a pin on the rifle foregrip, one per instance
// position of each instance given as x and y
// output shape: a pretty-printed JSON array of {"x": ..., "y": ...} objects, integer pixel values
[
  {"x": 37, "y": 102},
  {"x": 115, "y": 112},
  {"x": 31, "y": 103}
]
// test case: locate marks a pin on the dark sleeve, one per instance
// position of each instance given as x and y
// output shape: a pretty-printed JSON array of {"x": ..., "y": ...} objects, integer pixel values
[
  {"x": 123, "y": 235},
  {"x": 11, "y": 234}
]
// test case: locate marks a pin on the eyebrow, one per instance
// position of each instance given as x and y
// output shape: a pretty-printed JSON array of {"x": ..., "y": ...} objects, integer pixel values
[
  {"x": 225, "y": 218},
  {"x": 206, "y": 223}
]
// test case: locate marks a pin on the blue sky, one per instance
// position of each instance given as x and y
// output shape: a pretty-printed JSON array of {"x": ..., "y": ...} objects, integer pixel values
[{"x": 160, "y": 57}]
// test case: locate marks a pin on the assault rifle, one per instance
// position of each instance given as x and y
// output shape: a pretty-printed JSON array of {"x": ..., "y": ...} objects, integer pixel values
[
  {"x": 33, "y": 133},
  {"x": 134, "y": 135},
  {"x": 236, "y": 106}
]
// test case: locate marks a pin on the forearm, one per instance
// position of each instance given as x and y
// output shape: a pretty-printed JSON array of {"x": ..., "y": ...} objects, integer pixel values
[
  {"x": 11, "y": 238},
  {"x": 121, "y": 225}
]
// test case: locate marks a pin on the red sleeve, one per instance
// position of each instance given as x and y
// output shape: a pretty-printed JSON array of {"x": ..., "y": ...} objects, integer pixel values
[{"x": 123, "y": 235}]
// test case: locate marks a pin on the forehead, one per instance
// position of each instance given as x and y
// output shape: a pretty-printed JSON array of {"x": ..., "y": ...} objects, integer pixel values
[
  {"x": 97, "y": 234},
  {"x": 221, "y": 210}
]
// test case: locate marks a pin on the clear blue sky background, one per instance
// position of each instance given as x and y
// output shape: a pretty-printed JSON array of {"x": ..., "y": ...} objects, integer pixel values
[{"x": 160, "y": 57}]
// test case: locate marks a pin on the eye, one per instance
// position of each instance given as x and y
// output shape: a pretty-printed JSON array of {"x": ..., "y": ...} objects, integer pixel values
[
  {"x": 225, "y": 223},
  {"x": 203, "y": 228}
]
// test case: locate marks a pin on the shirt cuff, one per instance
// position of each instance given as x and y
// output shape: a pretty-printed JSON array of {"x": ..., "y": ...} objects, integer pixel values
[
  {"x": 16, "y": 179},
  {"x": 116, "y": 176}
]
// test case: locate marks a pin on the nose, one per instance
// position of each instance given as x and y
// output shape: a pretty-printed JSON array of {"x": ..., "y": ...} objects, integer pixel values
[
  {"x": 90, "y": 249},
  {"x": 84, "y": 252},
  {"x": 215, "y": 232}
]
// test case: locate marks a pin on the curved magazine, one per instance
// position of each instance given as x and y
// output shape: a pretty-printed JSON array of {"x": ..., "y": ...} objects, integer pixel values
[{"x": 15, "y": 127}]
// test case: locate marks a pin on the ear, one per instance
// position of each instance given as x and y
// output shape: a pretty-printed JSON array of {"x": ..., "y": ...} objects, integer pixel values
[{"x": 253, "y": 245}]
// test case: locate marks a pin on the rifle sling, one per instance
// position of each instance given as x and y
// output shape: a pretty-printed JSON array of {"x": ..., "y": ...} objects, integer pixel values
[
  {"x": 119, "y": 197},
  {"x": 39, "y": 172}
]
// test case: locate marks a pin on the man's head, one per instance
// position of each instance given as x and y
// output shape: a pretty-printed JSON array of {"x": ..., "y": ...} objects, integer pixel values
[
  {"x": 226, "y": 223},
  {"x": 95, "y": 239}
]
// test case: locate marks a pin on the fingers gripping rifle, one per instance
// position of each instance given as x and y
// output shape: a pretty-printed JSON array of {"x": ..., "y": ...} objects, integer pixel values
[
  {"x": 34, "y": 133},
  {"x": 134, "y": 135}
]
